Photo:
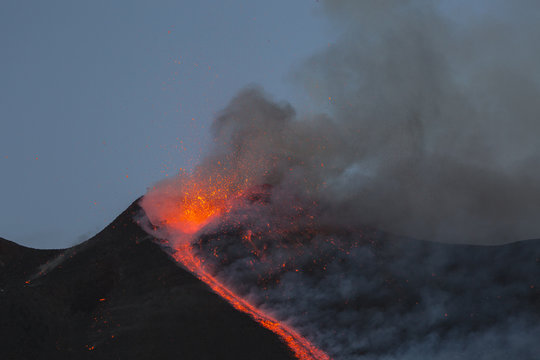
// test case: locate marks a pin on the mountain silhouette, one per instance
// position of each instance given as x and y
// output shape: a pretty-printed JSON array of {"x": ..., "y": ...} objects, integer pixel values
[{"x": 118, "y": 296}]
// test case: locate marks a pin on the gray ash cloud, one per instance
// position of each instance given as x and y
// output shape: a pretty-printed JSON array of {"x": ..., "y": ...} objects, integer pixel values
[
  {"x": 437, "y": 107},
  {"x": 430, "y": 132},
  {"x": 433, "y": 124}
]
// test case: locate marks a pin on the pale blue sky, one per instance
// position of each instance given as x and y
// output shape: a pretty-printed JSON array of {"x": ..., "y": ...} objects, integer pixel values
[{"x": 95, "y": 97}]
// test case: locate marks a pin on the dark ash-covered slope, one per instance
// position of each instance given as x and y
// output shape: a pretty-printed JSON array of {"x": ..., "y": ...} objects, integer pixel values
[
  {"x": 366, "y": 294},
  {"x": 118, "y": 296}
]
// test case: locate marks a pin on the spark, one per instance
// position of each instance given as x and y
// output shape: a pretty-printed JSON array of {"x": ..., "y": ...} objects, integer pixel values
[{"x": 204, "y": 198}]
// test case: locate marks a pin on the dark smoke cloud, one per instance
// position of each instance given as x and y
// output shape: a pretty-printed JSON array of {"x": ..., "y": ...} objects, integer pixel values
[
  {"x": 433, "y": 127},
  {"x": 431, "y": 133},
  {"x": 438, "y": 104}
]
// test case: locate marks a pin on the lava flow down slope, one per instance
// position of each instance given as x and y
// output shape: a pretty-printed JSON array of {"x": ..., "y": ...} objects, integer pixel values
[
  {"x": 354, "y": 293},
  {"x": 254, "y": 222}
]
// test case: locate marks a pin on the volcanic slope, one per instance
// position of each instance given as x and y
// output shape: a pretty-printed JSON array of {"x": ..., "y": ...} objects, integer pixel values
[{"x": 118, "y": 296}]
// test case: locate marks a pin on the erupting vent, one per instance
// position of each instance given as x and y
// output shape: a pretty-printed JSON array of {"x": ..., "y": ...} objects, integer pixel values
[{"x": 199, "y": 203}]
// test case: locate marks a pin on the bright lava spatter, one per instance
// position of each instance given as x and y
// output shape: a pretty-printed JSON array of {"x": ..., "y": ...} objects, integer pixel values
[
  {"x": 302, "y": 348},
  {"x": 204, "y": 198}
]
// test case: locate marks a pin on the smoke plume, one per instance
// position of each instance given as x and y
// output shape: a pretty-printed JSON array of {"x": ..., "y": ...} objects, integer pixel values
[
  {"x": 432, "y": 130},
  {"x": 437, "y": 106},
  {"x": 429, "y": 131}
]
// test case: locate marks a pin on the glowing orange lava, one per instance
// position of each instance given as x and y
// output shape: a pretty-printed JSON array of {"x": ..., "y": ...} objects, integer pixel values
[
  {"x": 198, "y": 204},
  {"x": 301, "y": 347}
]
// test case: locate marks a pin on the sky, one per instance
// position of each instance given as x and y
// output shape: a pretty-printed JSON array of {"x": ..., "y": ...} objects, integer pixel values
[{"x": 101, "y": 99}]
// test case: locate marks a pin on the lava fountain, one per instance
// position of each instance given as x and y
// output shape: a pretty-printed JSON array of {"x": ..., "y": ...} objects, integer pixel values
[{"x": 201, "y": 201}]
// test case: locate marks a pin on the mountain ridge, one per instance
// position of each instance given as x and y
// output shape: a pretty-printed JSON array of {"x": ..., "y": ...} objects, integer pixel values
[{"x": 118, "y": 295}]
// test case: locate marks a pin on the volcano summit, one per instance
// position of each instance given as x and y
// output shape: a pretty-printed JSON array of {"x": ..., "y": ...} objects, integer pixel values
[{"x": 118, "y": 296}]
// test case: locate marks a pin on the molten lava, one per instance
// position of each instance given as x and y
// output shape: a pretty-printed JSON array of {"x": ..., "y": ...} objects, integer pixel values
[
  {"x": 199, "y": 204},
  {"x": 201, "y": 200},
  {"x": 301, "y": 347}
]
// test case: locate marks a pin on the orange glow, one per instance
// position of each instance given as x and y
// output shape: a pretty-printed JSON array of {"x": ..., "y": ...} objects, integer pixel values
[
  {"x": 201, "y": 200},
  {"x": 199, "y": 203}
]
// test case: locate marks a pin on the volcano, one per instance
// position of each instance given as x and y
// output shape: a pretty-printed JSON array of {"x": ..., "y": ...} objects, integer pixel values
[{"x": 120, "y": 295}]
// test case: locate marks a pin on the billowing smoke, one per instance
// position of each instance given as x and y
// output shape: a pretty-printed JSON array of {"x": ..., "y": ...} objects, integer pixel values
[
  {"x": 438, "y": 104},
  {"x": 429, "y": 131},
  {"x": 433, "y": 125}
]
